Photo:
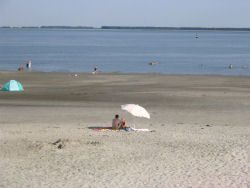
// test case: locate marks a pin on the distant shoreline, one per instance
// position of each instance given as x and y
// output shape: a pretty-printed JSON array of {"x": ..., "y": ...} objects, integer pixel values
[
  {"x": 121, "y": 73},
  {"x": 103, "y": 28}
]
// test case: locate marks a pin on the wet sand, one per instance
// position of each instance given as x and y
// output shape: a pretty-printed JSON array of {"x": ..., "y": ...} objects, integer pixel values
[{"x": 201, "y": 138}]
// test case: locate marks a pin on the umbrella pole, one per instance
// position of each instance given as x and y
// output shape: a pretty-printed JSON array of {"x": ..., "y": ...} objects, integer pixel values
[{"x": 133, "y": 121}]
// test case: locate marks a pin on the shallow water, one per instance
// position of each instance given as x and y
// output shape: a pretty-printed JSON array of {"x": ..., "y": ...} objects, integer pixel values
[{"x": 126, "y": 51}]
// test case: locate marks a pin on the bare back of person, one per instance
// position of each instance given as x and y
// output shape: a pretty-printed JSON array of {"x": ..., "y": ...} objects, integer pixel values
[{"x": 116, "y": 123}]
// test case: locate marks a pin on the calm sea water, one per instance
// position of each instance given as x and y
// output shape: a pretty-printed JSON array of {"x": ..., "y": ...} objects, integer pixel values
[{"x": 126, "y": 51}]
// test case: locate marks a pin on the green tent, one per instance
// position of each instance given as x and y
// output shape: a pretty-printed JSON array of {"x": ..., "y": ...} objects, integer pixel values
[{"x": 12, "y": 85}]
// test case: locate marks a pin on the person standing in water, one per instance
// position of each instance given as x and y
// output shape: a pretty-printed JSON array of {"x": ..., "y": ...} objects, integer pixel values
[
  {"x": 28, "y": 64},
  {"x": 95, "y": 70}
]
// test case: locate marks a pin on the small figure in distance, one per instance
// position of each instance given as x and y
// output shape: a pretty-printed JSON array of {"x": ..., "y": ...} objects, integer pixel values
[
  {"x": 153, "y": 63},
  {"x": 28, "y": 64},
  {"x": 117, "y": 123},
  {"x": 95, "y": 70},
  {"x": 21, "y": 68},
  {"x": 244, "y": 67},
  {"x": 230, "y": 66}
]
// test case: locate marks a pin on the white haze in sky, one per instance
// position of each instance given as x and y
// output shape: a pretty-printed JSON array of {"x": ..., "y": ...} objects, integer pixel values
[{"x": 202, "y": 13}]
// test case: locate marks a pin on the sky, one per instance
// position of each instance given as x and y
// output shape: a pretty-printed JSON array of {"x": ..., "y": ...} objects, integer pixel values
[{"x": 170, "y": 13}]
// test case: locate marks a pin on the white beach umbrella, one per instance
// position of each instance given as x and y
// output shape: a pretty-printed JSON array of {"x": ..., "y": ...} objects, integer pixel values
[{"x": 136, "y": 110}]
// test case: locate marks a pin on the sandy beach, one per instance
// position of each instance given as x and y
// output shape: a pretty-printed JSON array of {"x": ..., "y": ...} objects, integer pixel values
[{"x": 201, "y": 132}]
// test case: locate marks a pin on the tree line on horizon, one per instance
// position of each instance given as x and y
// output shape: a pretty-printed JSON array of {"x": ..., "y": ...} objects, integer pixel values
[
  {"x": 130, "y": 28},
  {"x": 176, "y": 28}
]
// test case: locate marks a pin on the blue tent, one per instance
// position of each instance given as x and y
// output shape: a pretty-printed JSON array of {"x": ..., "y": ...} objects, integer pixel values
[{"x": 12, "y": 85}]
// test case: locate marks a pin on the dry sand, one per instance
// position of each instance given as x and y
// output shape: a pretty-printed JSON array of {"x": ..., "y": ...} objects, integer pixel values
[{"x": 201, "y": 138}]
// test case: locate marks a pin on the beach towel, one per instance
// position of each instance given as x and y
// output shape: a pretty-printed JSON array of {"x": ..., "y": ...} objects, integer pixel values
[
  {"x": 141, "y": 130},
  {"x": 127, "y": 129},
  {"x": 104, "y": 129}
]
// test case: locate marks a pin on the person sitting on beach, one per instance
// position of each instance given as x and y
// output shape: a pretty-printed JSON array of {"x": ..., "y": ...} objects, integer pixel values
[
  {"x": 117, "y": 123},
  {"x": 124, "y": 124}
]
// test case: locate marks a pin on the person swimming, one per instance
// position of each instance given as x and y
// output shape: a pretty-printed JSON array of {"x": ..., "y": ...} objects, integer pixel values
[
  {"x": 21, "y": 68},
  {"x": 153, "y": 63}
]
